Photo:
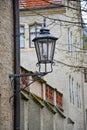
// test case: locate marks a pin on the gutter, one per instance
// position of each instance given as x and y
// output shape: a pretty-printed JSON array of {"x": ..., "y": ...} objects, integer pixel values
[{"x": 16, "y": 65}]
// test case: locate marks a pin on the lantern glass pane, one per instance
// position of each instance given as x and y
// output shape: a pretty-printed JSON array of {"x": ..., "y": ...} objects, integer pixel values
[
  {"x": 43, "y": 49},
  {"x": 37, "y": 50},
  {"x": 51, "y": 47}
]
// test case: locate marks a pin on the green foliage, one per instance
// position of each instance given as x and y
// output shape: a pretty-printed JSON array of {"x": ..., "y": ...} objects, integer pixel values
[
  {"x": 84, "y": 38},
  {"x": 85, "y": 42},
  {"x": 85, "y": 46}
]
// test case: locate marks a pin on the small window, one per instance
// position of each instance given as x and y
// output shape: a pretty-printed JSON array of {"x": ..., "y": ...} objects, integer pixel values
[
  {"x": 69, "y": 40},
  {"x": 86, "y": 115},
  {"x": 59, "y": 99},
  {"x": 34, "y": 31},
  {"x": 22, "y": 37},
  {"x": 78, "y": 96},
  {"x": 85, "y": 75},
  {"x": 71, "y": 89},
  {"x": 49, "y": 93}
]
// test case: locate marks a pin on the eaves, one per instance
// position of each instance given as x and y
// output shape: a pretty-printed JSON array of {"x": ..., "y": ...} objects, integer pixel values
[{"x": 43, "y": 10}]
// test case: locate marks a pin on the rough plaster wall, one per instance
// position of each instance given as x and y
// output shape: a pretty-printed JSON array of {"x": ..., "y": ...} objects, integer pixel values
[
  {"x": 22, "y": 114},
  {"x": 36, "y": 88},
  {"x": 6, "y": 64},
  {"x": 24, "y": 118},
  {"x": 59, "y": 122},
  {"x": 34, "y": 115},
  {"x": 47, "y": 119}
]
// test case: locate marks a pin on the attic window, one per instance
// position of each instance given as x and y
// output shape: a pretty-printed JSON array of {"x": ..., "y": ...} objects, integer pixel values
[
  {"x": 49, "y": 93},
  {"x": 59, "y": 99}
]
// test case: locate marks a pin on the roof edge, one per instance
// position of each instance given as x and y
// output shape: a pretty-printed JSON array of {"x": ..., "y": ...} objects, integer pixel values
[{"x": 43, "y": 7}]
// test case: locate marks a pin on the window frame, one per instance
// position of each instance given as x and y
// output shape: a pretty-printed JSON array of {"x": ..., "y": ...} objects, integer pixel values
[
  {"x": 69, "y": 40},
  {"x": 36, "y": 32},
  {"x": 22, "y": 33}
]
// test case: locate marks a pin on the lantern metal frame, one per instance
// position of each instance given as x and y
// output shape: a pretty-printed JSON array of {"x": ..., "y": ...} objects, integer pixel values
[{"x": 45, "y": 46}]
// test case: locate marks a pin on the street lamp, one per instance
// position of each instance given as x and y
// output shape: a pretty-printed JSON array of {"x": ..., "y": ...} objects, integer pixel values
[{"x": 45, "y": 46}]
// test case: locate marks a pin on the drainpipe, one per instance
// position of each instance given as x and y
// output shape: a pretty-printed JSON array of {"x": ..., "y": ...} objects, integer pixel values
[{"x": 16, "y": 65}]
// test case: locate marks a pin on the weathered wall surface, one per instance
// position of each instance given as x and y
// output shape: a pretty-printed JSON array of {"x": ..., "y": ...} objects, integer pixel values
[
  {"x": 6, "y": 64},
  {"x": 39, "y": 118}
]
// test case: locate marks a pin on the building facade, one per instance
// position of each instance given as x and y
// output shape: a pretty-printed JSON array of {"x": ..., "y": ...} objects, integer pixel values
[
  {"x": 41, "y": 105},
  {"x": 85, "y": 72},
  {"x": 64, "y": 21}
]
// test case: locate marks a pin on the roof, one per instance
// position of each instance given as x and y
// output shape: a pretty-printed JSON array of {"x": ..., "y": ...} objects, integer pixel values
[
  {"x": 42, "y": 103},
  {"x": 30, "y": 72},
  {"x": 37, "y": 3},
  {"x": 37, "y": 99}
]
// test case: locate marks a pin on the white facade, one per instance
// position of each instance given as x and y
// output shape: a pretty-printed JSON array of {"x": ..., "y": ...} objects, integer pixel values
[{"x": 65, "y": 78}]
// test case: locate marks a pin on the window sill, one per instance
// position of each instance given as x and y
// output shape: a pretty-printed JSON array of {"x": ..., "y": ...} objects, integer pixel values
[{"x": 27, "y": 49}]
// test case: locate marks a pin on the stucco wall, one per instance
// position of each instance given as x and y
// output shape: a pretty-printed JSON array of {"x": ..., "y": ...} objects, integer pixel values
[
  {"x": 39, "y": 118},
  {"x": 34, "y": 115},
  {"x": 6, "y": 64}
]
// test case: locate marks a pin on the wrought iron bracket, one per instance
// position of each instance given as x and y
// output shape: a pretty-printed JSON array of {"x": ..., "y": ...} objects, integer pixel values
[{"x": 40, "y": 74}]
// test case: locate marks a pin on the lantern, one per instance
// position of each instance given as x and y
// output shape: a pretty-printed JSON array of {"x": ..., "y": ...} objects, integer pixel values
[{"x": 45, "y": 47}]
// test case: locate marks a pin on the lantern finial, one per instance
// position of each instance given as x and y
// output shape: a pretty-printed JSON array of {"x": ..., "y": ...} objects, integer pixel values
[{"x": 44, "y": 21}]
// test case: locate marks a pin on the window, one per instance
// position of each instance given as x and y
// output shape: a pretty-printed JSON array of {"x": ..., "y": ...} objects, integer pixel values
[
  {"x": 59, "y": 99},
  {"x": 22, "y": 37},
  {"x": 78, "y": 96},
  {"x": 49, "y": 93},
  {"x": 69, "y": 40},
  {"x": 86, "y": 115},
  {"x": 85, "y": 75},
  {"x": 71, "y": 92},
  {"x": 34, "y": 30}
]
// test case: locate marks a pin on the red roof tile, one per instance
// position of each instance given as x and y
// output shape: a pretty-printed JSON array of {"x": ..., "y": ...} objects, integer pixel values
[{"x": 37, "y": 3}]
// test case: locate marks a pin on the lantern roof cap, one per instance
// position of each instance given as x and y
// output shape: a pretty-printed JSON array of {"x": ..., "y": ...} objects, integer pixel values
[{"x": 44, "y": 34}]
